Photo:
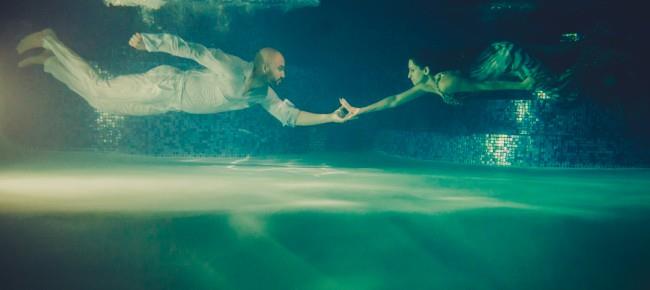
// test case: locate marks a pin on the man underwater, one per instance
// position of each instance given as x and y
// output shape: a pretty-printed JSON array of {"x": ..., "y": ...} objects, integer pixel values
[{"x": 225, "y": 83}]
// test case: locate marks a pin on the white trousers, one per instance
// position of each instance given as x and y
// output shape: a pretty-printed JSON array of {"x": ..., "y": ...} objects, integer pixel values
[{"x": 156, "y": 91}]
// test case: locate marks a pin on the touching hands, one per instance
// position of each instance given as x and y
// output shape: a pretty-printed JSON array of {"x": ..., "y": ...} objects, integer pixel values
[
  {"x": 345, "y": 112},
  {"x": 136, "y": 41},
  {"x": 339, "y": 115},
  {"x": 352, "y": 112}
]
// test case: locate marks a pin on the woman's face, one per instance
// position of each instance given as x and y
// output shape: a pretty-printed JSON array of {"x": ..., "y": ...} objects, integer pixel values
[{"x": 417, "y": 74}]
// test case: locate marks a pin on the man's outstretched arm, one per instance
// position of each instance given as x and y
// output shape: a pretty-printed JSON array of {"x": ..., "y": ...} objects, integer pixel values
[
  {"x": 176, "y": 46},
  {"x": 310, "y": 119},
  {"x": 285, "y": 112}
]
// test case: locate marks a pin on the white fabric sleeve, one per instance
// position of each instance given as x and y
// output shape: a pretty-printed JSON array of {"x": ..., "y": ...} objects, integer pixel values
[
  {"x": 283, "y": 110},
  {"x": 174, "y": 45}
]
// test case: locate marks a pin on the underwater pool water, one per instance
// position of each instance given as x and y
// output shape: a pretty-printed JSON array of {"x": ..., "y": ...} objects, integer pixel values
[{"x": 319, "y": 221}]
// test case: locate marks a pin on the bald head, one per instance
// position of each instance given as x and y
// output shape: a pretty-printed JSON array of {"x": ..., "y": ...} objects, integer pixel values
[
  {"x": 269, "y": 63},
  {"x": 264, "y": 55}
]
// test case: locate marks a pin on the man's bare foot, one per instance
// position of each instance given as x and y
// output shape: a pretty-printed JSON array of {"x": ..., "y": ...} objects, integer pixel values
[
  {"x": 34, "y": 40},
  {"x": 34, "y": 60}
]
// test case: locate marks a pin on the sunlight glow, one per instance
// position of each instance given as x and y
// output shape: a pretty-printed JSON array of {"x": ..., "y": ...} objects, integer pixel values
[{"x": 256, "y": 189}]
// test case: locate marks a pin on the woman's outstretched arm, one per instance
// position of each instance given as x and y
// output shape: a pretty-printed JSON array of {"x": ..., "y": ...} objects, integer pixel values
[{"x": 385, "y": 103}]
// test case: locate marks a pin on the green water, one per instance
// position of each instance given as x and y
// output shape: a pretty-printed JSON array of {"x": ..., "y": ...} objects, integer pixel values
[{"x": 88, "y": 221}]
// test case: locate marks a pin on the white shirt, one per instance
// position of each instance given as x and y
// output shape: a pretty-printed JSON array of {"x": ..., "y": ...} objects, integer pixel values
[{"x": 219, "y": 86}]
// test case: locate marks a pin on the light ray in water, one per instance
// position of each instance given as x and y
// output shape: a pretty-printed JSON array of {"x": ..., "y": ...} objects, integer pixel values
[
  {"x": 148, "y": 4},
  {"x": 248, "y": 4},
  {"x": 217, "y": 188},
  {"x": 258, "y": 186},
  {"x": 181, "y": 9}
]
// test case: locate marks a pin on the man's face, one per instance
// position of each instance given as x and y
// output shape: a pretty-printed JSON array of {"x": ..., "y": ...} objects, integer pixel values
[
  {"x": 416, "y": 73},
  {"x": 275, "y": 69}
]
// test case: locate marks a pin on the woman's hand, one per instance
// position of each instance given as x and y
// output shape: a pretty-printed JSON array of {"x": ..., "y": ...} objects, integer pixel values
[
  {"x": 338, "y": 116},
  {"x": 353, "y": 112},
  {"x": 136, "y": 41}
]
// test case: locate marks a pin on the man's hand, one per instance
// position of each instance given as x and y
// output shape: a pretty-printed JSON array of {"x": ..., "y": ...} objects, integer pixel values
[
  {"x": 338, "y": 116},
  {"x": 344, "y": 113},
  {"x": 352, "y": 112},
  {"x": 136, "y": 41}
]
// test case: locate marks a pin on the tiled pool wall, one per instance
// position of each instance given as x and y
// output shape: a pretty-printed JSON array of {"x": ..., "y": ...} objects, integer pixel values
[
  {"x": 524, "y": 133},
  {"x": 47, "y": 115}
]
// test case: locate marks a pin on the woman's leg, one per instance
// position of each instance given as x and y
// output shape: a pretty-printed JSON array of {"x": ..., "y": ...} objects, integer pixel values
[{"x": 504, "y": 60}]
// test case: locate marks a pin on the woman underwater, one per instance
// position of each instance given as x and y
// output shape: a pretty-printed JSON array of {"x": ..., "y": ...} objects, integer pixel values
[{"x": 503, "y": 66}]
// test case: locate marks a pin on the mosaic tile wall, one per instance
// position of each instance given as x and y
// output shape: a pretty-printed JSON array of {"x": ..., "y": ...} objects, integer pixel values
[
  {"x": 489, "y": 132},
  {"x": 523, "y": 133},
  {"x": 240, "y": 133},
  {"x": 47, "y": 115},
  {"x": 510, "y": 149}
]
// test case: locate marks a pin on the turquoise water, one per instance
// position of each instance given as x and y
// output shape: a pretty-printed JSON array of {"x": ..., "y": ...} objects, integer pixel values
[{"x": 325, "y": 221}]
